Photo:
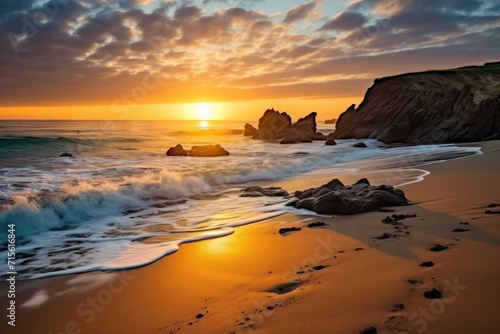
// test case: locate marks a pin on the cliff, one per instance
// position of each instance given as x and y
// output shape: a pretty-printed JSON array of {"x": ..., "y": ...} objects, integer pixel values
[{"x": 458, "y": 105}]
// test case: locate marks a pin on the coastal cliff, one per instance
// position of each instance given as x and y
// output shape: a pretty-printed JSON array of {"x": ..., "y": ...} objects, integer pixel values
[{"x": 458, "y": 105}]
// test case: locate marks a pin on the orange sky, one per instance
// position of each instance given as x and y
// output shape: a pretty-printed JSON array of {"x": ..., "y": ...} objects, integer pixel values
[{"x": 245, "y": 110}]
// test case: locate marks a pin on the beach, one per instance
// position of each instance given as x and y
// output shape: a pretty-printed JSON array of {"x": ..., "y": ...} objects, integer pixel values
[{"x": 332, "y": 278}]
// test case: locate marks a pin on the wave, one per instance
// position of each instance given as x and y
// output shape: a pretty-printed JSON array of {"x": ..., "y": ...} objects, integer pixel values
[
  {"x": 131, "y": 253},
  {"x": 78, "y": 201},
  {"x": 56, "y": 142}
]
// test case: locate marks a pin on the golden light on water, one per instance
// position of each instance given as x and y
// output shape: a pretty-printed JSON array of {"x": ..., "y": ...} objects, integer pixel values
[
  {"x": 203, "y": 124},
  {"x": 204, "y": 112}
]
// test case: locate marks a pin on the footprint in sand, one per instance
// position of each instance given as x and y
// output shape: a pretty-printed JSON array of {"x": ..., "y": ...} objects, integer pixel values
[{"x": 285, "y": 287}]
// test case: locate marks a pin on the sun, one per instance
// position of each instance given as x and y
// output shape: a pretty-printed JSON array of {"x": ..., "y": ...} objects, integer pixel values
[{"x": 204, "y": 112}]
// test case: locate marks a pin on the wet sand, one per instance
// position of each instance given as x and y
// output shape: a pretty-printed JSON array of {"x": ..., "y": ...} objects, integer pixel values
[{"x": 330, "y": 279}]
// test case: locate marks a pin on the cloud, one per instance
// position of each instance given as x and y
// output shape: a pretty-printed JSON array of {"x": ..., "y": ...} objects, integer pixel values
[
  {"x": 188, "y": 12},
  {"x": 345, "y": 21},
  {"x": 300, "y": 12},
  {"x": 93, "y": 52}
]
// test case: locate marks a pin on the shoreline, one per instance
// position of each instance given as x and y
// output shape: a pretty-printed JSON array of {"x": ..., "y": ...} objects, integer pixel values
[{"x": 250, "y": 281}]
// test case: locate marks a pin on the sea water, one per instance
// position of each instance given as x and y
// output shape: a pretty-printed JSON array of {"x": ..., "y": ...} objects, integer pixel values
[{"x": 120, "y": 202}]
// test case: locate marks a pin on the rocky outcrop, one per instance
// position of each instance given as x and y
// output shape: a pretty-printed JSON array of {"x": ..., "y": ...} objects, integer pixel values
[
  {"x": 290, "y": 140},
  {"x": 306, "y": 125},
  {"x": 198, "y": 151},
  {"x": 250, "y": 130},
  {"x": 459, "y": 105},
  {"x": 274, "y": 125},
  {"x": 330, "y": 141},
  {"x": 335, "y": 198},
  {"x": 259, "y": 191},
  {"x": 208, "y": 151},
  {"x": 279, "y": 126},
  {"x": 177, "y": 151}
]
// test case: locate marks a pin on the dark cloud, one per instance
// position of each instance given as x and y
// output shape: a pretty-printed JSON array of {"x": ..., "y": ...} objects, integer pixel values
[
  {"x": 10, "y": 6},
  {"x": 300, "y": 12},
  {"x": 345, "y": 21},
  {"x": 187, "y": 12}
]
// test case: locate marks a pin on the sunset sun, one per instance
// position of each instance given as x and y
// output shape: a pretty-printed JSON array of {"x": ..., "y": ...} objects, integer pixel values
[{"x": 204, "y": 112}]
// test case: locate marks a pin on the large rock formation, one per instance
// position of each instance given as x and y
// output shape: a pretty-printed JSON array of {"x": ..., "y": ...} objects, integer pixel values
[
  {"x": 250, "y": 130},
  {"x": 459, "y": 105},
  {"x": 198, "y": 151},
  {"x": 335, "y": 198},
  {"x": 276, "y": 125}
]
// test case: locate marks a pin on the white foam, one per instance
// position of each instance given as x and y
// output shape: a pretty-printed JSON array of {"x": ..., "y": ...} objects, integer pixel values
[{"x": 135, "y": 255}]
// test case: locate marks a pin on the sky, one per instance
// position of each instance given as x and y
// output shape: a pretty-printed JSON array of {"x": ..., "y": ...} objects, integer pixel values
[{"x": 147, "y": 59}]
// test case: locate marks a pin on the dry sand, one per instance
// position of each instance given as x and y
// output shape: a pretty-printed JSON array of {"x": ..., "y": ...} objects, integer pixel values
[{"x": 257, "y": 280}]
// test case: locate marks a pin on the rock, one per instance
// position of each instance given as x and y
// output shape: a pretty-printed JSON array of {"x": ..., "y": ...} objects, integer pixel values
[
  {"x": 449, "y": 106},
  {"x": 384, "y": 236},
  {"x": 360, "y": 144},
  {"x": 491, "y": 212},
  {"x": 437, "y": 248},
  {"x": 290, "y": 140},
  {"x": 304, "y": 139},
  {"x": 395, "y": 219},
  {"x": 66, "y": 155},
  {"x": 198, "y": 151},
  {"x": 250, "y": 130},
  {"x": 369, "y": 330},
  {"x": 397, "y": 307},
  {"x": 208, "y": 151},
  {"x": 306, "y": 125},
  {"x": 335, "y": 198},
  {"x": 427, "y": 264},
  {"x": 199, "y": 316},
  {"x": 432, "y": 294},
  {"x": 289, "y": 229},
  {"x": 177, "y": 151},
  {"x": 316, "y": 224},
  {"x": 415, "y": 281},
  {"x": 331, "y": 121},
  {"x": 461, "y": 230},
  {"x": 259, "y": 191},
  {"x": 335, "y": 184},
  {"x": 330, "y": 141},
  {"x": 318, "y": 136},
  {"x": 276, "y": 125},
  {"x": 363, "y": 180}
]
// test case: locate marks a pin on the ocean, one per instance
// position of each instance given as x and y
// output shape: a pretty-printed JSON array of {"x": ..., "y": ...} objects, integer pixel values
[{"x": 120, "y": 202}]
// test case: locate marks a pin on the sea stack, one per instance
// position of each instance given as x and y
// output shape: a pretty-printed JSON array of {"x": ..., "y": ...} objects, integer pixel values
[{"x": 276, "y": 125}]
